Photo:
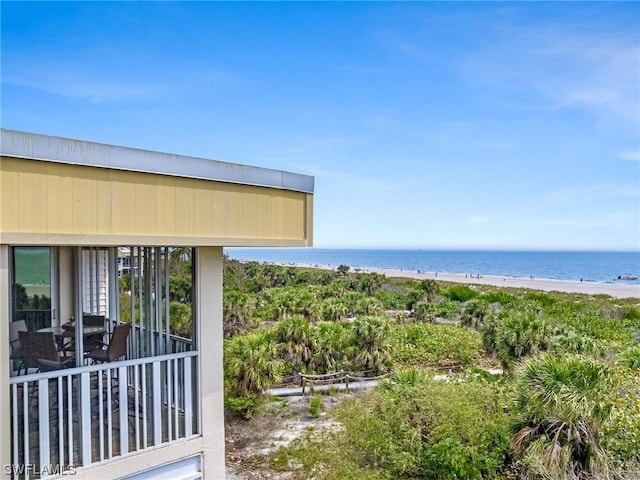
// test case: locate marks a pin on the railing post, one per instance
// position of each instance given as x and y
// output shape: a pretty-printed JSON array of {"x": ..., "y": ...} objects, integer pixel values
[
  {"x": 14, "y": 421},
  {"x": 124, "y": 409},
  {"x": 25, "y": 424},
  {"x": 43, "y": 423},
  {"x": 85, "y": 417},
  {"x": 188, "y": 405},
  {"x": 157, "y": 405}
]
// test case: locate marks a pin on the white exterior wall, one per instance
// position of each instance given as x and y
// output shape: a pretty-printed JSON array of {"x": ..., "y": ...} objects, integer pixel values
[
  {"x": 5, "y": 420},
  {"x": 209, "y": 267}
]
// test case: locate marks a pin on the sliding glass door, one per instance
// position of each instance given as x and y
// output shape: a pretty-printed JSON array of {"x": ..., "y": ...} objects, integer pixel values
[{"x": 33, "y": 286}]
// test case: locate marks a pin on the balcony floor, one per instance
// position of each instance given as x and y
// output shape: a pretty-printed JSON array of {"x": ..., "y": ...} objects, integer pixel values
[{"x": 105, "y": 435}]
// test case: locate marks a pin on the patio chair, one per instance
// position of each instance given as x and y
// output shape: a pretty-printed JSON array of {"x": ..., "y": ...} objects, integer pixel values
[
  {"x": 14, "y": 341},
  {"x": 116, "y": 348},
  {"x": 93, "y": 342},
  {"x": 38, "y": 346}
]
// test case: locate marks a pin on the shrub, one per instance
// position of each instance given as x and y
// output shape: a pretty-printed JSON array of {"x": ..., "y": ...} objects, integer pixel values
[
  {"x": 574, "y": 343},
  {"x": 333, "y": 309},
  {"x": 429, "y": 429},
  {"x": 424, "y": 311},
  {"x": 411, "y": 377},
  {"x": 446, "y": 309},
  {"x": 621, "y": 436},
  {"x": 238, "y": 312},
  {"x": 329, "y": 342},
  {"x": 371, "y": 343},
  {"x": 293, "y": 337},
  {"x": 419, "y": 344},
  {"x": 563, "y": 404},
  {"x": 315, "y": 406},
  {"x": 251, "y": 363},
  {"x": 396, "y": 300},
  {"x": 369, "y": 306},
  {"x": 180, "y": 315},
  {"x": 460, "y": 293},
  {"x": 244, "y": 406},
  {"x": 518, "y": 335},
  {"x": 630, "y": 358},
  {"x": 499, "y": 296},
  {"x": 474, "y": 313}
]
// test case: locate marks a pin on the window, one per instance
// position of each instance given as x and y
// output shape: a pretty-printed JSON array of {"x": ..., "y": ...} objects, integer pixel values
[{"x": 31, "y": 288}]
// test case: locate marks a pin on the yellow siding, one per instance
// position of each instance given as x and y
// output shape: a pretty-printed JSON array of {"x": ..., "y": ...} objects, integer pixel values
[{"x": 49, "y": 203}]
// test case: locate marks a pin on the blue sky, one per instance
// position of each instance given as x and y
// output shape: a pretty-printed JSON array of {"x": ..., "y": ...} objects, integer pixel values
[{"x": 425, "y": 125}]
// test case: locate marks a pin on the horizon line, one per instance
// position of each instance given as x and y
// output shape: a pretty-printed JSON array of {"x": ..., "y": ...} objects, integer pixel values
[{"x": 451, "y": 249}]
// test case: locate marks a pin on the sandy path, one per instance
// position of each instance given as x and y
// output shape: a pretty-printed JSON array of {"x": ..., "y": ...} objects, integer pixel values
[{"x": 617, "y": 290}]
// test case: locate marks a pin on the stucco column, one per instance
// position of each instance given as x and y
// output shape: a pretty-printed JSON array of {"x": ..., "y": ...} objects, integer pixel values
[
  {"x": 5, "y": 418},
  {"x": 209, "y": 323}
]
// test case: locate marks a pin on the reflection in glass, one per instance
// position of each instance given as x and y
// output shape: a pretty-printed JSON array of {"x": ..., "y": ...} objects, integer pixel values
[{"x": 31, "y": 289}]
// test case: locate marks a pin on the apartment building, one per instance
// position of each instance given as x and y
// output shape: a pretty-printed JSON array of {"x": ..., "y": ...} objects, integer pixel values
[{"x": 93, "y": 380}]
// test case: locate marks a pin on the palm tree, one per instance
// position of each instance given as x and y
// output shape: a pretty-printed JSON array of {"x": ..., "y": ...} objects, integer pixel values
[
  {"x": 306, "y": 303},
  {"x": 474, "y": 313},
  {"x": 284, "y": 302},
  {"x": 343, "y": 270},
  {"x": 424, "y": 311},
  {"x": 293, "y": 335},
  {"x": 333, "y": 309},
  {"x": 180, "y": 258},
  {"x": 369, "y": 306},
  {"x": 251, "y": 364},
  {"x": 328, "y": 340},
  {"x": 238, "y": 312},
  {"x": 369, "y": 283},
  {"x": 336, "y": 289},
  {"x": 371, "y": 336},
  {"x": 563, "y": 405},
  {"x": 430, "y": 288},
  {"x": 519, "y": 334}
]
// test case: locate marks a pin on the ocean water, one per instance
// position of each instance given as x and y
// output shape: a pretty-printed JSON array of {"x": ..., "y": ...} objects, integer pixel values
[{"x": 588, "y": 266}]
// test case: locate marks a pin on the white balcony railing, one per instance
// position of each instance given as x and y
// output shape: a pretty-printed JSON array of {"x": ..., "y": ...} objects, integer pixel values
[{"x": 67, "y": 419}]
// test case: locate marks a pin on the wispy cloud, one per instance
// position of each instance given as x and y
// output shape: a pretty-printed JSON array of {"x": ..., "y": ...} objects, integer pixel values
[
  {"x": 90, "y": 80},
  {"x": 495, "y": 145},
  {"x": 564, "y": 66},
  {"x": 341, "y": 180},
  {"x": 480, "y": 219},
  {"x": 630, "y": 155},
  {"x": 577, "y": 195},
  {"x": 604, "y": 78},
  {"x": 92, "y": 89},
  {"x": 608, "y": 220}
]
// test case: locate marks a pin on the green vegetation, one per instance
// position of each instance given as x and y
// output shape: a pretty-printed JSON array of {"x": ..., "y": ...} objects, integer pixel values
[
  {"x": 566, "y": 407},
  {"x": 315, "y": 405},
  {"x": 180, "y": 294}
]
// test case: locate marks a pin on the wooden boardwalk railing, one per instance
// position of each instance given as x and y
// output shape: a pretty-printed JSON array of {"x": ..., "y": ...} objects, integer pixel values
[
  {"x": 336, "y": 378},
  {"x": 305, "y": 383}
]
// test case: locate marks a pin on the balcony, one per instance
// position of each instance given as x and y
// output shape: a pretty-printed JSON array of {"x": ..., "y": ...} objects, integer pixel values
[
  {"x": 75, "y": 417},
  {"x": 144, "y": 397}
]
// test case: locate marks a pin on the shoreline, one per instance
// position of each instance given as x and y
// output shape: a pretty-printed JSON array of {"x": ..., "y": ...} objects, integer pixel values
[{"x": 542, "y": 284}]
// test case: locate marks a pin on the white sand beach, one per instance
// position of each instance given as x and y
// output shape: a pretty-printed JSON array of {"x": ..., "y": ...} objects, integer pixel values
[{"x": 616, "y": 290}]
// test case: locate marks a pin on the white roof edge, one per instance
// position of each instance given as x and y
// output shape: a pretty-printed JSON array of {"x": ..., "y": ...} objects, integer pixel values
[{"x": 79, "y": 152}]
